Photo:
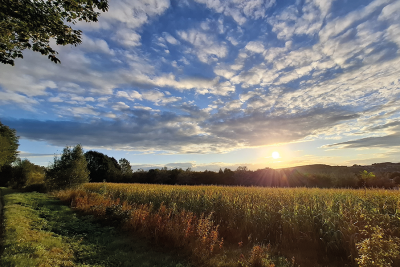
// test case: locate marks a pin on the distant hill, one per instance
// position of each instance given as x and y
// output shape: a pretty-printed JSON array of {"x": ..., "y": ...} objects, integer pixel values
[{"x": 383, "y": 167}]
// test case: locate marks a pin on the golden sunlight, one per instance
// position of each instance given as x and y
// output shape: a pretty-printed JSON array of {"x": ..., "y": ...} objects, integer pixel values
[{"x": 275, "y": 155}]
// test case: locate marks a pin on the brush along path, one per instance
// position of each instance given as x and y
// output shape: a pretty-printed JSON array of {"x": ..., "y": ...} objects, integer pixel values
[{"x": 41, "y": 231}]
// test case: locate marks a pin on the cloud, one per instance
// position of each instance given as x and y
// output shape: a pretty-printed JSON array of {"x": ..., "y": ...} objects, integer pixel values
[
  {"x": 128, "y": 37},
  {"x": 300, "y": 19},
  {"x": 71, "y": 98},
  {"x": 170, "y": 39},
  {"x": 143, "y": 132},
  {"x": 27, "y": 84},
  {"x": 23, "y": 154},
  {"x": 256, "y": 47},
  {"x": 258, "y": 128},
  {"x": 132, "y": 95},
  {"x": 11, "y": 97},
  {"x": 341, "y": 24},
  {"x": 240, "y": 10},
  {"x": 206, "y": 46},
  {"x": 120, "y": 106},
  {"x": 82, "y": 111},
  {"x": 389, "y": 141},
  {"x": 134, "y": 14},
  {"x": 154, "y": 96},
  {"x": 95, "y": 45}
]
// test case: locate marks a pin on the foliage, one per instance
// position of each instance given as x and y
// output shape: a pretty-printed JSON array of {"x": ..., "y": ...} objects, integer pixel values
[
  {"x": 320, "y": 223},
  {"x": 23, "y": 174},
  {"x": 40, "y": 231},
  {"x": 366, "y": 176},
  {"x": 378, "y": 250},
  {"x": 8, "y": 145},
  {"x": 102, "y": 167},
  {"x": 26, "y": 24},
  {"x": 330, "y": 177},
  {"x": 126, "y": 168},
  {"x": 69, "y": 170}
]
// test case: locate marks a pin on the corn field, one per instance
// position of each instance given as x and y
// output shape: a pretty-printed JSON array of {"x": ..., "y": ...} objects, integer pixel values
[{"x": 351, "y": 227}]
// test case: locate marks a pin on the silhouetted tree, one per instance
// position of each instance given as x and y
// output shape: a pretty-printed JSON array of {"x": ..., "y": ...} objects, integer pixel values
[{"x": 102, "y": 167}]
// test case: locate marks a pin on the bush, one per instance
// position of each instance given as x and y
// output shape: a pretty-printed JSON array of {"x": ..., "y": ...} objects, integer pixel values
[{"x": 68, "y": 171}]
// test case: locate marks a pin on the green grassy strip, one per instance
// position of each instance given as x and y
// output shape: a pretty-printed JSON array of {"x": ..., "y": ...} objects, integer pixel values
[{"x": 40, "y": 231}]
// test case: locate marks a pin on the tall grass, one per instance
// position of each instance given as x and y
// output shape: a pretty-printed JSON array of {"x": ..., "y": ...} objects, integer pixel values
[
  {"x": 41, "y": 231},
  {"x": 333, "y": 223}
]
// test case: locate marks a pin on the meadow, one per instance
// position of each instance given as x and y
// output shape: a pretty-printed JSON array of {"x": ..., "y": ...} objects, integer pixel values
[
  {"x": 254, "y": 226},
  {"x": 40, "y": 231}
]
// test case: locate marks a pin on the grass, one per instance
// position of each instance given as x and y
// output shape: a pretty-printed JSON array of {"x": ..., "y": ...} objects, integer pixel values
[{"x": 41, "y": 231}]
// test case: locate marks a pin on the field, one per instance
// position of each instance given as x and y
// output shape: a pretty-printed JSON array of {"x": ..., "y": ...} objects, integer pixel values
[
  {"x": 40, "y": 231},
  {"x": 252, "y": 226}
]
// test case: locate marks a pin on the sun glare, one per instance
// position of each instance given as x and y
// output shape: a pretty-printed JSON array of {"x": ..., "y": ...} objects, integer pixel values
[{"x": 275, "y": 155}]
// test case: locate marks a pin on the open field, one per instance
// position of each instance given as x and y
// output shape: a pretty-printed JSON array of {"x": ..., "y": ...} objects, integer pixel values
[
  {"x": 319, "y": 227},
  {"x": 41, "y": 231}
]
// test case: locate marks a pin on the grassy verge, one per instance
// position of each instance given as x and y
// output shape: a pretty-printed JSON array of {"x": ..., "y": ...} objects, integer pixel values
[{"x": 40, "y": 231}]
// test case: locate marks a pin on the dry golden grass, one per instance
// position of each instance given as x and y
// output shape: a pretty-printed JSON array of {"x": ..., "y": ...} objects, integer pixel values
[{"x": 332, "y": 224}]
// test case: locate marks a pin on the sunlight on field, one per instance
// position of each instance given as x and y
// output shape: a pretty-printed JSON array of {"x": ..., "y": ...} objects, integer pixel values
[{"x": 335, "y": 224}]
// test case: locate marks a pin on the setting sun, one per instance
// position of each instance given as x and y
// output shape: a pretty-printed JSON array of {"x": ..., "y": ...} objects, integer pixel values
[{"x": 275, "y": 155}]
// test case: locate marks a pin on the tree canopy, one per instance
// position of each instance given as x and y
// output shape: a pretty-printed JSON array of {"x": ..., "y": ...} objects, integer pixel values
[
  {"x": 31, "y": 24},
  {"x": 68, "y": 170},
  {"x": 8, "y": 145},
  {"x": 102, "y": 167}
]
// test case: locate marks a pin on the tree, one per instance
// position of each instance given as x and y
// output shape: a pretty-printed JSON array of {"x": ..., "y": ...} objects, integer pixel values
[
  {"x": 126, "y": 168},
  {"x": 69, "y": 170},
  {"x": 26, "y": 174},
  {"x": 365, "y": 177},
  {"x": 8, "y": 145},
  {"x": 102, "y": 167},
  {"x": 31, "y": 24}
]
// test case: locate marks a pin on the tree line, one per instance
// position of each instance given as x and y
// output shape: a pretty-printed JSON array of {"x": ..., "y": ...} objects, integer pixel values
[{"x": 74, "y": 166}]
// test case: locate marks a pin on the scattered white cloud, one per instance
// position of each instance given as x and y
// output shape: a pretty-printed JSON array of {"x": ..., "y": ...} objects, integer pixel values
[
  {"x": 128, "y": 37},
  {"x": 207, "y": 48},
  {"x": 170, "y": 39},
  {"x": 240, "y": 10},
  {"x": 96, "y": 45},
  {"x": 256, "y": 47}
]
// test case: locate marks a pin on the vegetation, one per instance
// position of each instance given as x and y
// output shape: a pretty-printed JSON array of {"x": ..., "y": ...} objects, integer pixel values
[
  {"x": 41, "y": 231},
  {"x": 322, "y": 176},
  {"x": 26, "y": 24},
  {"x": 69, "y": 170},
  {"x": 8, "y": 145},
  {"x": 316, "y": 226},
  {"x": 103, "y": 167},
  {"x": 23, "y": 174}
]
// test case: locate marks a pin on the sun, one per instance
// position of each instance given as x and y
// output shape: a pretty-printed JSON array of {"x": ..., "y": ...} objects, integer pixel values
[{"x": 275, "y": 155}]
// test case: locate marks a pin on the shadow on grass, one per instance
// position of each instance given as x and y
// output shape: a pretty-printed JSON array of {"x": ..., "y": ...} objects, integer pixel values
[{"x": 92, "y": 244}]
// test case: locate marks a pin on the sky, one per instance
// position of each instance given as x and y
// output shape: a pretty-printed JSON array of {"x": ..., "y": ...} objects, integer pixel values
[{"x": 209, "y": 84}]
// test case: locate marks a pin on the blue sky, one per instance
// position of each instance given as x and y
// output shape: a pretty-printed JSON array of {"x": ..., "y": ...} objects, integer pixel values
[{"x": 209, "y": 84}]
